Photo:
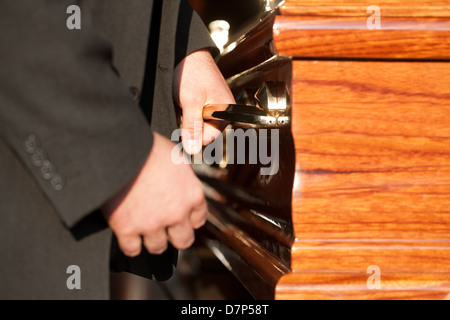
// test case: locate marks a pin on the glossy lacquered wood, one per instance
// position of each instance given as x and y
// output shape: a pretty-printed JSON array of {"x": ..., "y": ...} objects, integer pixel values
[
  {"x": 374, "y": 139},
  {"x": 353, "y": 286},
  {"x": 250, "y": 223},
  {"x": 372, "y": 182},
  {"x": 351, "y": 38},
  {"x": 250, "y": 49},
  {"x": 368, "y": 152},
  {"x": 359, "y": 8}
]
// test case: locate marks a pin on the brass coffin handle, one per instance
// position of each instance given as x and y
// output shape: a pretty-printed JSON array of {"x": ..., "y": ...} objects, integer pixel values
[
  {"x": 235, "y": 113},
  {"x": 272, "y": 109}
]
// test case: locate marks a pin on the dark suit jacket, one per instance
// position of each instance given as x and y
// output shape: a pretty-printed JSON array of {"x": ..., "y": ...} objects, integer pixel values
[{"x": 75, "y": 107}]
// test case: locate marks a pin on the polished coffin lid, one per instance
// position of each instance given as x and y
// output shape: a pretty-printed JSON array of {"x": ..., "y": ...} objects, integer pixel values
[{"x": 365, "y": 179}]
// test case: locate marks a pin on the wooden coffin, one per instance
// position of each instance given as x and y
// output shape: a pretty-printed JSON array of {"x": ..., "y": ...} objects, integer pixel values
[{"x": 360, "y": 208}]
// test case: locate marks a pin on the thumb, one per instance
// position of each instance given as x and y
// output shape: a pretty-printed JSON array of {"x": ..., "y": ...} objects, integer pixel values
[{"x": 192, "y": 134}]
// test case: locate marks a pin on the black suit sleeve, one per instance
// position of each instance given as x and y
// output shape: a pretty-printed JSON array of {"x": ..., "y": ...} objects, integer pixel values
[
  {"x": 192, "y": 34},
  {"x": 63, "y": 109}
]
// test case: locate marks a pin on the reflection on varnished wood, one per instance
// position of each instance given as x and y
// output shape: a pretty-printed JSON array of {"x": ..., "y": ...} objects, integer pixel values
[
  {"x": 339, "y": 286},
  {"x": 250, "y": 226},
  {"x": 372, "y": 179},
  {"x": 399, "y": 38},
  {"x": 250, "y": 218},
  {"x": 366, "y": 173},
  {"x": 358, "y": 8},
  {"x": 250, "y": 50},
  {"x": 378, "y": 144}
]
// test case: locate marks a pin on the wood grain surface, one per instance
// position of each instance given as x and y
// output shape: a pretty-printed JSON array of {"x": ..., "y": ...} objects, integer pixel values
[
  {"x": 358, "y": 8},
  {"x": 373, "y": 144},
  {"x": 351, "y": 38},
  {"x": 371, "y": 135},
  {"x": 372, "y": 180},
  {"x": 353, "y": 286}
]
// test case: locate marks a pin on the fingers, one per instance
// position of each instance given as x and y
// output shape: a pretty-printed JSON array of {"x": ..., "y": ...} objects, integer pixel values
[
  {"x": 168, "y": 214},
  {"x": 130, "y": 244},
  {"x": 192, "y": 133},
  {"x": 181, "y": 235},
  {"x": 197, "y": 133},
  {"x": 212, "y": 129},
  {"x": 198, "y": 82},
  {"x": 156, "y": 242},
  {"x": 198, "y": 215}
]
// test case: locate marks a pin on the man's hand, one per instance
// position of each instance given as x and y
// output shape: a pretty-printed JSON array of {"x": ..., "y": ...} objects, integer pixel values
[
  {"x": 164, "y": 203},
  {"x": 198, "y": 82}
]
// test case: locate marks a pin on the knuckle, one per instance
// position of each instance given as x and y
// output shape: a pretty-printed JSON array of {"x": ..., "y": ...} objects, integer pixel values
[
  {"x": 199, "y": 222},
  {"x": 198, "y": 196},
  {"x": 192, "y": 123},
  {"x": 157, "y": 250},
  {"x": 186, "y": 244},
  {"x": 126, "y": 240},
  {"x": 178, "y": 217},
  {"x": 156, "y": 246},
  {"x": 183, "y": 243},
  {"x": 152, "y": 227},
  {"x": 130, "y": 248}
]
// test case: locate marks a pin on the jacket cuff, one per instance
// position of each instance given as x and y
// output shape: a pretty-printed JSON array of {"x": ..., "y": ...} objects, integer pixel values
[
  {"x": 76, "y": 194},
  {"x": 193, "y": 32}
]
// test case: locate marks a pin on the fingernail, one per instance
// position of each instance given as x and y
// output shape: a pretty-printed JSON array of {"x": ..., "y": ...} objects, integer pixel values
[{"x": 193, "y": 146}]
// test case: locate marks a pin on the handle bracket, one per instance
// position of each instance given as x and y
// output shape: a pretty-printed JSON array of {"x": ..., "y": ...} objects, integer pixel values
[{"x": 272, "y": 110}]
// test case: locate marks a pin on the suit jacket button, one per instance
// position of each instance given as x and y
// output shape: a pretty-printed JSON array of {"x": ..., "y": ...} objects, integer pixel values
[
  {"x": 57, "y": 182},
  {"x": 31, "y": 144},
  {"x": 38, "y": 158},
  {"x": 47, "y": 170}
]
